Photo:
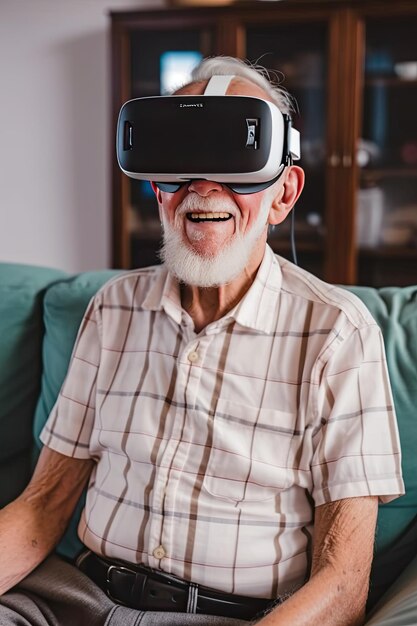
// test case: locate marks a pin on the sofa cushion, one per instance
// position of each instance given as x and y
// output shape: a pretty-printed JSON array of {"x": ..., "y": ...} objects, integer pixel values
[
  {"x": 395, "y": 310},
  {"x": 64, "y": 305},
  {"x": 22, "y": 288}
]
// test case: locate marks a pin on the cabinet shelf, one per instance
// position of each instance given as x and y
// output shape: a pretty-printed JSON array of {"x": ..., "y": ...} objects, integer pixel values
[
  {"x": 390, "y": 81},
  {"x": 371, "y": 175},
  {"x": 390, "y": 252}
]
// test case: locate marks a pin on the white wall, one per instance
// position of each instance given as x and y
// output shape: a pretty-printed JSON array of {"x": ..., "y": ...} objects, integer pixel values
[{"x": 54, "y": 131}]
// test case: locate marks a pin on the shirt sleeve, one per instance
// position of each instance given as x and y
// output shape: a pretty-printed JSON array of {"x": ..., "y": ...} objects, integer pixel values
[
  {"x": 70, "y": 423},
  {"x": 356, "y": 443}
]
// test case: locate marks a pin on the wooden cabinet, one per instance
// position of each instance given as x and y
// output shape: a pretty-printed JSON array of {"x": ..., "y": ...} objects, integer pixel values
[{"x": 352, "y": 68}]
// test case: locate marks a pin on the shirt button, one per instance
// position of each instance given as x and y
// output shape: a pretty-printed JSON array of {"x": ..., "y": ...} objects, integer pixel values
[
  {"x": 159, "y": 552},
  {"x": 193, "y": 357}
]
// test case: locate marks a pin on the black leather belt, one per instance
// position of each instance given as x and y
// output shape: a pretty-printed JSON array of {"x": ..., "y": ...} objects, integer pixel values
[{"x": 142, "y": 588}]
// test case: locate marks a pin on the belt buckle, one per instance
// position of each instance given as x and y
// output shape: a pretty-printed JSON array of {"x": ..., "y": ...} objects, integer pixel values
[{"x": 109, "y": 582}]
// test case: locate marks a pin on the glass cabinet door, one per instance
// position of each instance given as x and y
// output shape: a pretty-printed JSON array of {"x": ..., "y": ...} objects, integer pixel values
[
  {"x": 302, "y": 69},
  {"x": 387, "y": 155},
  {"x": 160, "y": 60}
]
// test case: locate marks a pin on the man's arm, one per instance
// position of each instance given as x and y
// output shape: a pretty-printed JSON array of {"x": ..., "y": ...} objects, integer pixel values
[
  {"x": 337, "y": 590},
  {"x": 32, "y": 525}
]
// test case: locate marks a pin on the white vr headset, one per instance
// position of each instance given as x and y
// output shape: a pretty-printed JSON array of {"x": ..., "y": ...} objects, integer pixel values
[{"x": 241, "y": 141}]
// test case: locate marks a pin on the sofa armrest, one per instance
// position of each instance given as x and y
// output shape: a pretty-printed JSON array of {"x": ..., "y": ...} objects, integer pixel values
[{"x": 398, "y": 606}]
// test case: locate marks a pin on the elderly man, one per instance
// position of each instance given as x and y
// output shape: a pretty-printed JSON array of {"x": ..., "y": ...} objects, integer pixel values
[{"x": 233, "y": 416}]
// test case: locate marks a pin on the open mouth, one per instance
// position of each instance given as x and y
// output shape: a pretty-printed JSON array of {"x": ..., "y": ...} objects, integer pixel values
[{"x": 209, "y": 217}]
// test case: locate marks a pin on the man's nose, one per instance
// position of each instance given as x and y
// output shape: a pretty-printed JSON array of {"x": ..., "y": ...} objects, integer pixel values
[{"x": 204, "y": 187}]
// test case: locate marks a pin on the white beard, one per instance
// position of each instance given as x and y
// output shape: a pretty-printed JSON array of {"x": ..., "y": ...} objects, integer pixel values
[{"x": 218, "y": 269}]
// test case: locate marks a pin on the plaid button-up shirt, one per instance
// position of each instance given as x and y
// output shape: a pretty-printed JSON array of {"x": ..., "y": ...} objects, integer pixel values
[{"x": 212, "y": 449}]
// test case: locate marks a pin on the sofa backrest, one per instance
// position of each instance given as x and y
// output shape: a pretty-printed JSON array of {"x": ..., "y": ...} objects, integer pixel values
[
  {"x": 63, "y": 308},
  {"x": 40, "y": 311},
  {"x": 395, "y": 311},
  {"x": 22, "y": 289}
]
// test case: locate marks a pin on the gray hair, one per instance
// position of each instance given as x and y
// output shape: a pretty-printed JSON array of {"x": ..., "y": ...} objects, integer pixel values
[{"x": 223, "y": 65}]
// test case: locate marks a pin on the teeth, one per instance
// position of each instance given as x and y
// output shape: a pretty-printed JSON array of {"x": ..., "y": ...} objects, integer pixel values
[{"x": 210, "y": 216}]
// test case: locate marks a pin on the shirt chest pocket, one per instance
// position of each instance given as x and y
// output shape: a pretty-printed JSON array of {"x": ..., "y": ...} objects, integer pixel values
[{"x": 249, "y": 453}]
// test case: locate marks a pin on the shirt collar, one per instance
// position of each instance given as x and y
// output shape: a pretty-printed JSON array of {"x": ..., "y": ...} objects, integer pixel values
[
  {"x": 256, "y": 310},
  {"x": 164, "y": 294},
  {"x": 258, "y": 307}
]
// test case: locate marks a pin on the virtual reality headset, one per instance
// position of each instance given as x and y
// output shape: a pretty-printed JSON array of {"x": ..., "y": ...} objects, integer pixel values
[{"x": 241, "y": 141}]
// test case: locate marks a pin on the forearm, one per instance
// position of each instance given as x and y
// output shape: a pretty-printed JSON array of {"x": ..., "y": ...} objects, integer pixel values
[
  {"x": 27, "y": 535},
  {"x": 32, "y": 525},
  {"x": 327, "y": 599},
  {"x": 337, "y": 590}
]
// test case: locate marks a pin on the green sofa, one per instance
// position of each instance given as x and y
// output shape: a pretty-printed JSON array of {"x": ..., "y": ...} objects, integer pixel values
[{"x": 40, "y": 310}]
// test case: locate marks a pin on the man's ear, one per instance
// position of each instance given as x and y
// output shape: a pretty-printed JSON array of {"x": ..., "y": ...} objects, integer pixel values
[
  {"x": 288, "y": 194},
  {"x": 157, "y": 192},
  {"x": 158, "y": 195}
]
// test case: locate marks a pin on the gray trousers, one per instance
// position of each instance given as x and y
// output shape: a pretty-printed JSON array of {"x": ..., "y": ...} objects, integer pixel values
[{"x": 58, "y": 594}]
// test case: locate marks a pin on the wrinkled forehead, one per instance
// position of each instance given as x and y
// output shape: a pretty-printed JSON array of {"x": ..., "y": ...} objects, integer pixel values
[{"x": 238, "y": 87}]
